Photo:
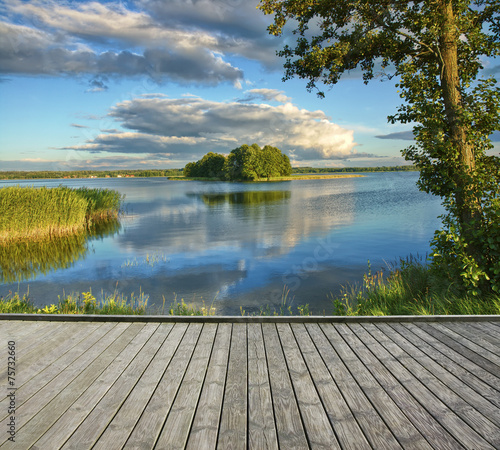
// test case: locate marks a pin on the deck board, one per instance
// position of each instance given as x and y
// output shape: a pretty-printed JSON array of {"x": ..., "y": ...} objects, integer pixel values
[
  {"x": 368, "y": 371},
  {"x": 402, "y": 386},
  {"x": 233, "y": 422},
  {"x": 343, "y": 422},
  {"x": 373, "y": 426},
  {"x": 205, "y": 427},
  {"x": 256, "y": 384},
  {"x": 261, "y": 425},
  {"x": 289, "y": 426}
]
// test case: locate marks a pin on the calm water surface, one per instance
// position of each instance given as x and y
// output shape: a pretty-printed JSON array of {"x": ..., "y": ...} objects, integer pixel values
[{"x": 239, "y": 243}]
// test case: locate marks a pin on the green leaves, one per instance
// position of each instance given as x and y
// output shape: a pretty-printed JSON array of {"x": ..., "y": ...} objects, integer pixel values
[
  {"x": 436, "y": 48},
  {"x": 245, "y": 163}
]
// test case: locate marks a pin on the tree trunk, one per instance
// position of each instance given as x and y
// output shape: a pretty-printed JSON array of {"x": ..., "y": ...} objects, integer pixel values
[{"x": 466, "y": 203}]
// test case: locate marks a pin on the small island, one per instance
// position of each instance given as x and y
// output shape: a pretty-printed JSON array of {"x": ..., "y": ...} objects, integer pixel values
[{"x": 246, "y": 163}]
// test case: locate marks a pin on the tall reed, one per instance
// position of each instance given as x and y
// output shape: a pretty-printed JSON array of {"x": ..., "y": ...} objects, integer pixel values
[
  {"x": 101, "y": 203},
  {"x": 38, "y": 213}
]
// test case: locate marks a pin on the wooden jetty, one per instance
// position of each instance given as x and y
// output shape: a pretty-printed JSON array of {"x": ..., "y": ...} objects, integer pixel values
[{"x": 144, "y": 382}]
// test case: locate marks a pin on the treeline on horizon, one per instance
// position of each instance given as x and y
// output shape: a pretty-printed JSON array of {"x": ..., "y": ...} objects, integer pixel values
[
  {"x": 406, "y": 168},
  {"x": 20, "y": 175},
  {"x": 50, "y": 174}
]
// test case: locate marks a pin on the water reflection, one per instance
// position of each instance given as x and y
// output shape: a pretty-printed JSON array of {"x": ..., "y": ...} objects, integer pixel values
[
  {"x": 244, "y": 198},
  {"x": 239, "y": 242},
  {"x": 260, "y": 222},
  {"x": 25, "y": 260}
]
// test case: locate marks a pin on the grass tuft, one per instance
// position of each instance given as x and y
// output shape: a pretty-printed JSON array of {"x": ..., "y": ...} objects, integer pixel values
[
  {"x": 410, "y": 289},
  {"x": 84, "y": 303}
]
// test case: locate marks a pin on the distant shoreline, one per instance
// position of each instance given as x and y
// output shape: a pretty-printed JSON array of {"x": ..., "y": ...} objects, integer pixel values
[
  {"x": 274, "y": 179},
  {"x": 178, "y": 173}
]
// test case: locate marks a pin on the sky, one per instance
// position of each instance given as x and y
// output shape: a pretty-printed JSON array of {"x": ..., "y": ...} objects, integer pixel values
[{"x": 158, "y": 83}]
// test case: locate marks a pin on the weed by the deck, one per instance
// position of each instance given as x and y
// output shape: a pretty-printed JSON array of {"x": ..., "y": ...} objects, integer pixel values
[
  {"x": 84, "y": 303},
  {"x": 410, "y": 289}
]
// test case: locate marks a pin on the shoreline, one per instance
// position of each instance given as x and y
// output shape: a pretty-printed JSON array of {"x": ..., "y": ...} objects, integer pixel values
[{"x": 272, "y": 179}]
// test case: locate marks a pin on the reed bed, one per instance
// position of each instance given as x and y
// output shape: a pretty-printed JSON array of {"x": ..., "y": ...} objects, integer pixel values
[
  {"x": 101, "y": 203},
  {"x": 39, "y": 213}
]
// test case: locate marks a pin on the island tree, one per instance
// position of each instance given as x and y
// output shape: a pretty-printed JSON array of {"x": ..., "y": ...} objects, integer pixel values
[
  {"x": 210, "y": 166},
  {"x": 435, "y": 50},
  {"x": 250, "y": 162},
  {"x": 244, "y": 163}
]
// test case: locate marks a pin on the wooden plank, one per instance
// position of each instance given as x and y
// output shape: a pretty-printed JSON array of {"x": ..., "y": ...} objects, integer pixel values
[
  {"x": 139, "y": 388},
  {"x": 176, "y": 429},
  {"x": 488, "y": 331},
  {"x": 455, "y": 356},
  {"x": 291, "y": 434},
  {"x": 319, "y": 432},
  {"x": 96, "y": 422},
  {"x": 122, "y": 424},
  {"x": 475, "y": 353},
  {"x": 478, "y": 337},
  {"x": 463, "y": 422},
  {"x": 460, "y": 347},
  {"x": 205, "y": 427},
  {"x": 375, "y": 430},
  {"x": 32, "y": 349},
  {"x": 24, "y": 331},
  {"x": 150, "y": 424},
  {"x": 261, "y": 426},
  {"x": 233, "y": 422},
  {"x": 44, "y": 408},
  {"x": 433, "y": 423},
  {"x": 68, "y": 422},
  {"x": 341, "y": 418},
  {"x": 27, "y": 390},
  {"x": 488, "y": 393},
  {"x": 468, "y": 340},
  {"x": 372, "y": 378},
  {"x": 472, "y": 406},
  {"x": 55, "y": 346}
]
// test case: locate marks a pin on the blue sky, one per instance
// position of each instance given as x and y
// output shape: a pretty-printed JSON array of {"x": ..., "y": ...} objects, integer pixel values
[{"x": 158, "y": 83}]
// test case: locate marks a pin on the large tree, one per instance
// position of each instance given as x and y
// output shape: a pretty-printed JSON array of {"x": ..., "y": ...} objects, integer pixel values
[
  {"x": 435, "y": 49},
  {"x": 250, "y": 162},
  {"x": 210, "y": 166}
]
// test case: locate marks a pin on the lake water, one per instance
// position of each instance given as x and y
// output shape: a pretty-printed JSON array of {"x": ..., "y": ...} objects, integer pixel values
[{"x": 240, "y": 243}]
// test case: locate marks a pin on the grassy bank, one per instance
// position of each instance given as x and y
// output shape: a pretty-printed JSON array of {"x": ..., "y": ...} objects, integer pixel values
[
  {"x": 411, "y": 289},
  {"x": 84, "y": 303},
  {"x": 38, "y": 213}
]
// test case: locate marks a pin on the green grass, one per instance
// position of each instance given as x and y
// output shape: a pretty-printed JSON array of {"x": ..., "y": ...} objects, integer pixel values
[
  {"x": 37, "y": 213},
  {"x": 101, "y": 203},
  {"x": 84, "y": 303},
  {"x": 411, "y": 289}
]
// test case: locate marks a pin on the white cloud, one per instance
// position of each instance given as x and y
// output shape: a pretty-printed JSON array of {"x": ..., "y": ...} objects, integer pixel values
[
  {"x": 265, "y": 94},
  {"x": 193, "y": 126},
  {"x": 181, "y": 41},
  {"x": 96, "y": 39}
]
